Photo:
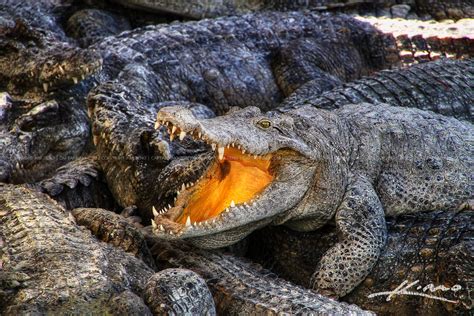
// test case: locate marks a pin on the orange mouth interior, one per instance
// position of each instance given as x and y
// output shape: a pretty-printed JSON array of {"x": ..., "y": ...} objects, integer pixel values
[{"x": 237, "y": 177}]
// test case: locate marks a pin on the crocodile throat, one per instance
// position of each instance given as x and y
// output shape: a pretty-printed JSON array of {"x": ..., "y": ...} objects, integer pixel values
[{"x": 234, "y": 178}]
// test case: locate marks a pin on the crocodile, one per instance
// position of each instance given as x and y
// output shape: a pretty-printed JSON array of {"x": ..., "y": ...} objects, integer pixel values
[
  {"x": 445, "y": 87},
  {"x": 238, "y": 286},
  {"x": 205, "y": 9},
  {"x": 39, "y": 134},
  {"x": 433, "y": 248},
  {"x": 83, "y": 275},
  {"x": 123, "y": 109},
  {"x": 35, "y": 57},
  {"x": 254, "y": 70},
  {"x": 43, "y": 121},
  {"x": 308, "y": 166}
]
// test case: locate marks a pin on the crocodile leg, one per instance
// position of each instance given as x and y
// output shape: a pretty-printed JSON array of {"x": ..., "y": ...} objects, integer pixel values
[
  {"x": 433, "y": 247},
  {"x": 360, "y": 222}
]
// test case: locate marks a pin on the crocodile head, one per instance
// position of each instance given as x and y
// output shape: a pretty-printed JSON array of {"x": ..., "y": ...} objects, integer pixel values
[{"x": 262, "y": 170}]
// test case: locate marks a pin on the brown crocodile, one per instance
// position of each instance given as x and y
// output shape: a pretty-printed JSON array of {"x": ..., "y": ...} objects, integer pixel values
[{"x": 49, "y": 265}]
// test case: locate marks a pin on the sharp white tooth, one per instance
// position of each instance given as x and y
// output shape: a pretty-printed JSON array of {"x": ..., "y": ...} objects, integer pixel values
[
  {"x": 153, "y": 224},
  {"x": 177, "y": 192},
  {"x": 188, "y": 221},
  {"x": 232, "y": 203},
  {"x": 171, "y": 233},
  {"x": 227, "y": 210},
  {"x": 238, "y": 147},
  {"x": 243, "y": 151},
  {"x": 75, "y": 80},
  {"x": 213, "y": 146},
  {"x": 228, "y": 146},
  {"x": 45, "y": 87},
  {"x": 182, "y": 135},
  {"x": 171, "y": 137},
  {"x": 169, "y": 206},
  {"x": 200, "y": 135},
  {"x": 157, "y": 124},
  {"x": 255, "y": 156},
  {"x": 183, "y": 187},
  {"x": 162, "y": 228},
  {"x": 214, "y": 221},
  {"x": 233, "y": 145},
  {"x": 220, "y": 150},
  {"x": 173, "y": 129},
  {"x": 155, "y": 212},
  {"x": 175, "y": 198},
  {"x": 195, "y": 224},
  {"x": 61, "y": 69}
]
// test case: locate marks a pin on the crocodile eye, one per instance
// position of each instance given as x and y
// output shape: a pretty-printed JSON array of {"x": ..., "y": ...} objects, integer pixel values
[{"x": 264, "y": 123}]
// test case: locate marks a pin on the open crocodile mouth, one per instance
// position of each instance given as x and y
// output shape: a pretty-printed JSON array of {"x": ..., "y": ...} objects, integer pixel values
[{"x": 234, "y": 179}]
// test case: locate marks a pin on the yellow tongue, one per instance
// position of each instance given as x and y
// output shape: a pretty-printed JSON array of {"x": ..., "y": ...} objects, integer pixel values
[{"x": 236, "y": 178}]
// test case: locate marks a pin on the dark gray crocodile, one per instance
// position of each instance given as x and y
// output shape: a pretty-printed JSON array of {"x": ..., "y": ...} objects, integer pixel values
[
  {"x": 39, "y": 134},
  {"x": 445, "y": 87},
  {"x": 433, "y": 248},
  {"x": 308, "y": 166},
  {"x": 200, "y": 9},
  {"x": 50, "y": 265},
  {"x": 33, "y": 57},
  {"x": 238, "y": 287},
  {"x": 43, "y": 122}
]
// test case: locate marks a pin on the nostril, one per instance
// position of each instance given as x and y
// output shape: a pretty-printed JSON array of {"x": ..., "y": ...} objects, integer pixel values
[{"x": 5, "y": 171}]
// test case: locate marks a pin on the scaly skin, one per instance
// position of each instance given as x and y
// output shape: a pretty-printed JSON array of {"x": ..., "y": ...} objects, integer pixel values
[
  {"x": 91, "y": 25},
  {"x": 434, "y": 247},
  {"x": 35, "y": 58},
  {"x": 79, "y": 183},
  {"x": 50, "y": 265},
  {"x": 116, "y": 230},
  {"x": 445, "y": 87},
  {"x": 355, "y": 165},
  {"x": 242, "y": 288},
  {"x": 227, "y": 65},
  {"x": 39, "y": 134},
  {"x": 202, "y": 9},
  {"x": 43, "y": 123},
  {"x": 238, "y": 287}
]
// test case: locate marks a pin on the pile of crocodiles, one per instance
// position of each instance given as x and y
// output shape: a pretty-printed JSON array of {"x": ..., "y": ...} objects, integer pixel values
[{"x": 236, "y": 157}]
